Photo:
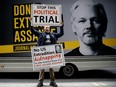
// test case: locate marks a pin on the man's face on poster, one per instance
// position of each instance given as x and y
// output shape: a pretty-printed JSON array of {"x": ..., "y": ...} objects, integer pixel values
[
  {"x": 87, "y": 25},
  {"x": 58, "y": 48}
]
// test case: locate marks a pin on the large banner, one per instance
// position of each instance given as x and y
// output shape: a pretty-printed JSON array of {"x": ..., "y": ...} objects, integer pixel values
[
  {"x": 17, "y": 38},
  {"x": 43, "y": 14},
  {"x": 44, "y": 57}
]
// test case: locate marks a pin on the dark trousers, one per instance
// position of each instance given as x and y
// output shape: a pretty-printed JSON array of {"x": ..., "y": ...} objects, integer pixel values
[{"x": 41, "y": 75}]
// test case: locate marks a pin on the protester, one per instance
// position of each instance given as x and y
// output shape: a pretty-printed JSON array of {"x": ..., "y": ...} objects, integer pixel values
[{"x": 47, "y": 38}]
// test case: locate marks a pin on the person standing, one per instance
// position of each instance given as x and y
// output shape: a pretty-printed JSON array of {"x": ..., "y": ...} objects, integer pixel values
[{"x": 47, "y": 38}]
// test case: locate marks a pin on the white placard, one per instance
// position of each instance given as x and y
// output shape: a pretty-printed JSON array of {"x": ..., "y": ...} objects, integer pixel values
[
  {"x": 46, "y": 14},
  {"x": 50, "y": 56}
]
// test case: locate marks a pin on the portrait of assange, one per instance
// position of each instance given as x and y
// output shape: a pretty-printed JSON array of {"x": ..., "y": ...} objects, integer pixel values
[
  {"x": 89, "y": 23},
  {"x": 58, "y": 49}
]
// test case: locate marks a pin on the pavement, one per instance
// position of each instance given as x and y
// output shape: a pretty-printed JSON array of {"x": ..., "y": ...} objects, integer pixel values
[{"x": 60, "y": 82}]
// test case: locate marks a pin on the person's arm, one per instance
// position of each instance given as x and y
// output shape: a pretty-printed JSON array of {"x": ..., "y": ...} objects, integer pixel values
[
  {"x": 61, "y": 33},
  {"x": 33, "y": 30}
]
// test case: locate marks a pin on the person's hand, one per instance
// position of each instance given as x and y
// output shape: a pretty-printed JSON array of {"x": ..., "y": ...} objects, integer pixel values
[
  {"x": 62, "y": 23},
  {"x": 30, "y": 18}
]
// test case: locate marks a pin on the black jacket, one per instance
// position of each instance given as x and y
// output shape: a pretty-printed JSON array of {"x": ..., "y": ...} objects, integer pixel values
[
  {"x": 41, "y": 36},
  {"x": 103, "y": 50}
]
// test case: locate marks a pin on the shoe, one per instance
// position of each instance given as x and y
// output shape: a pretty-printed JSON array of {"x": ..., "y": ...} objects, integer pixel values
[
  {"x": 53, "y": 84},
  {"x": 39, "y": 84}
]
